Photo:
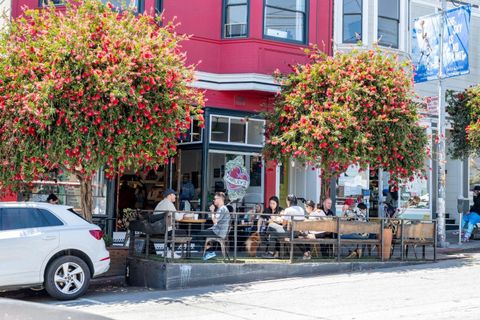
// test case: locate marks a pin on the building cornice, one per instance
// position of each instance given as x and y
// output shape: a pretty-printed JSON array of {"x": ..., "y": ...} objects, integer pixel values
[{"x": 235, "y": 82}]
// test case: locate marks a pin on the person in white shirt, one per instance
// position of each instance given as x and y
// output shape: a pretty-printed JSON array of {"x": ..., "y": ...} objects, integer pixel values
[
  {"x": 275, "y": 230},
  {"x": 167, "y": 205}
]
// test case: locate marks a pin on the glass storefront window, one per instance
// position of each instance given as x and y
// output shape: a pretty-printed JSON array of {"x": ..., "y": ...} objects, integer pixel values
[
  {"x": 217, "y": 161},
  {"x": 350, "y": 185},
  {"x": 473, "y": 172},
  {"x": 415, "y": 194},
  {"x": 67, "y": 188}
]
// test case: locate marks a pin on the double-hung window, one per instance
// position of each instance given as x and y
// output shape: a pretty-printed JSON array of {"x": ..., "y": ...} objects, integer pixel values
[
  {"x": 388, "y": 22},
  {"x": 138, "y": 4},
  {"x": 42, "y": 3},
  {"x": 352, "y": 21},
  {"x": 235, "y": 18},
  {"x": 285, "y": 20}
]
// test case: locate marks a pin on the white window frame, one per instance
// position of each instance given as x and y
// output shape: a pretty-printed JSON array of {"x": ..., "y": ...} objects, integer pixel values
[
  {"x": 403, "y": 31},
  {"x": 229, "y": 129},
  {"x": 338, "y": 23},
  {"x": 189, "y": 132}
]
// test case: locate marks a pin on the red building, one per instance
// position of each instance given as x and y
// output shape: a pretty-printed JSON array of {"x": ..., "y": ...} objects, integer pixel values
[{"x": 238, "y": 44}]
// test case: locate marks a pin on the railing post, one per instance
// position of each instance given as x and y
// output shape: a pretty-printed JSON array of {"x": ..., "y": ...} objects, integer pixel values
[
  {"x": 402, "y": 240},
  {"x": 235, "y": 237},
  {"x": 172, "y": 220},
  {"x": 460, "y": 228},
  {"x": 338, "y": 239},
  {"x": 292, "y": 227},
  {"x": 382, "y": 227},
  {"x": 435, "y": 241}
]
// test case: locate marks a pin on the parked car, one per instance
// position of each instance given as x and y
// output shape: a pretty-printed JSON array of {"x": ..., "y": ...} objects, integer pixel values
[{"x": 50, "y": 246}]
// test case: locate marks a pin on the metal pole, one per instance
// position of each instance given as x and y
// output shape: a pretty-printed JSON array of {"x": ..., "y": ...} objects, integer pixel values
[{"x": 441, "y": 140}]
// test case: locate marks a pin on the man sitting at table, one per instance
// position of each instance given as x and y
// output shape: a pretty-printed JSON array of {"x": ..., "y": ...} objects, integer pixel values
[
  {"x": 221, "y": 223},
  {"x": 167, "y": 205}
]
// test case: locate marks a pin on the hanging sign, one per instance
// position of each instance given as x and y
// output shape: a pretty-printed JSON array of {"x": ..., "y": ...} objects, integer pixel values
[
  {"x": 236, "y": 178},
  {"x": 426, "y": 44}
]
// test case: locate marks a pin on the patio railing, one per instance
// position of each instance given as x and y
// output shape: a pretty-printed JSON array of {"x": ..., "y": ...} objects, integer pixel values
[{"x": 289, "y": 238}]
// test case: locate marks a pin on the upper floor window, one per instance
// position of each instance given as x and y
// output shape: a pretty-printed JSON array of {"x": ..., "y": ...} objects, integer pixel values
[
  {"x": 235, "y": 130},
  {"x": 285, "y": 19},
  {"x": 193, "y": 134},
  {"x": 138, "y": 4},
  {"x": 388, "y": 22},
  {"x": 352, "y": 21},
  {"x": 47, "y": 2},
  {"x": 235, "y": 18}
]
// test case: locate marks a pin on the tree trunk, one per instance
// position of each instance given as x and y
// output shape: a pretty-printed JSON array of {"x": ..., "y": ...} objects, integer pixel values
[{"x": 86, "y": 200}]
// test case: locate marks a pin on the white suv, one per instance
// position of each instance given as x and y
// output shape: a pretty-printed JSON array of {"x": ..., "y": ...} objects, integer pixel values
[{"x": 49, "y": 245}]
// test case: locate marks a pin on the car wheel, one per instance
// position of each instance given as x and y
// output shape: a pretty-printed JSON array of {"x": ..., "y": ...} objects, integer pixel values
[{"x": 67, "y": 278}]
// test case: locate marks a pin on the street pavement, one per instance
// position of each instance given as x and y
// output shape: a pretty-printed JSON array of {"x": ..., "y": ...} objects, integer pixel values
[{"x": 448, "y": 289}]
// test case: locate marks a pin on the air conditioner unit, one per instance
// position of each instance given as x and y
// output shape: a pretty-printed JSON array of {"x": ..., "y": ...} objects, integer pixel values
[{"x": 235, "y": 30}]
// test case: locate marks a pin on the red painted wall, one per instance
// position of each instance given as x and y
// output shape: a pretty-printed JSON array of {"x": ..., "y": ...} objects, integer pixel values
[{"x": 203, "y": 20}]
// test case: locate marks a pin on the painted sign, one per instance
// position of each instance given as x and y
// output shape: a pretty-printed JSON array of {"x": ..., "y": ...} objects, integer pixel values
[
  {"x": 426, "y": 44},
  {"x": 236, "y": 178}
]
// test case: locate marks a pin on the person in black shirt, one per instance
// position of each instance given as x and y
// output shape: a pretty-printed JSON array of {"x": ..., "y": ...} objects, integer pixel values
[{"x": 327, "y": 207}]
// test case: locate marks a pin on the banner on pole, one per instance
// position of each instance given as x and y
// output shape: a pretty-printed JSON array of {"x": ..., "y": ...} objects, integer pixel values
[{"x": 426, "y": 44}]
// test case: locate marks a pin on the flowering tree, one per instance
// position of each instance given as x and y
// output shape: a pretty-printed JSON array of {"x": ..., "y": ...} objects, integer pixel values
[
  {"x": 464, "y": 108},
  {"x": 353, "y": 108},
  {"x": 90, "y": 87}
]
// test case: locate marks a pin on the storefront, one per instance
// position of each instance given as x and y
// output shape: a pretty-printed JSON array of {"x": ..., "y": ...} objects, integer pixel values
[{"x": 204, "y": 154}]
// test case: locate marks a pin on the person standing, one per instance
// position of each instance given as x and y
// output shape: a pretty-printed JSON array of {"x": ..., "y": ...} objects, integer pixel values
[{"x": 221, "y": 223}]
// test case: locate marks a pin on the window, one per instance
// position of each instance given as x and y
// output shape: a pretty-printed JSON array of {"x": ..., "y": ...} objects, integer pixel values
[
  {"x": 22, "y": 218},
  {"x": 158, "y": 7},
  {"x": 235, "y": 18},
  {"x": 388, "y": 22},
  {"x": 138, "y": 4},
  {"x": 42, "y": 3},
  {"x": 224, "y": 129},
  {"x": 194, "y": 134},
  {"x": 352, "y": 21},
  {"x": 285, "y": 19}
]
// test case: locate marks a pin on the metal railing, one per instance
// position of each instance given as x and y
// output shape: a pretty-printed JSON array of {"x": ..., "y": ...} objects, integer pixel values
[{"x": 246, "y": 241}]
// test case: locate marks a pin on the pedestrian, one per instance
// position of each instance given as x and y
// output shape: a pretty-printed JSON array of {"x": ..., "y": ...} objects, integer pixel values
[{"x": 52, "y": 199}]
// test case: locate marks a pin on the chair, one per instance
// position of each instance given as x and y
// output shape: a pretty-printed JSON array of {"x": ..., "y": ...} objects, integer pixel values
[{"x": 223, "y": 245}]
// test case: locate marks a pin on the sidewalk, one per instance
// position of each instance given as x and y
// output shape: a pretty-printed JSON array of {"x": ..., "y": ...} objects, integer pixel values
[{"x": 455, "y": 247}]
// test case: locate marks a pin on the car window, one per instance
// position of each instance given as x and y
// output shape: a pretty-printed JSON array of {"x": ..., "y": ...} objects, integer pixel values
[
  {"x": 50, "y": 219},
  {"x": 22, "y": 218}
]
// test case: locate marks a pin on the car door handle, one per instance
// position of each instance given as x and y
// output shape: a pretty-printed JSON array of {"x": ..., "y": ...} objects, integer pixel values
[{"x": 49, "y": 238}]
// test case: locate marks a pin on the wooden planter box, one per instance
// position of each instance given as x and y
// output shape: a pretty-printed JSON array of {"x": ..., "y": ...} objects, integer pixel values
[{"x": 118, "y": 261}]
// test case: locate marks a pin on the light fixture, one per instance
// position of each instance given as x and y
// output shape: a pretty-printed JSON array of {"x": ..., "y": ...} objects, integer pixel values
[{"x": 216, "y": 128}]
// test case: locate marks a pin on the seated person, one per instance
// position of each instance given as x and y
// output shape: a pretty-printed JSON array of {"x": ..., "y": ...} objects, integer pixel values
[
  {"x": 221, "y": 223},
  {"x": 470, "y": 220},
  {"x": 326, "y": 207},
  {"x": 277, "y": 227}
]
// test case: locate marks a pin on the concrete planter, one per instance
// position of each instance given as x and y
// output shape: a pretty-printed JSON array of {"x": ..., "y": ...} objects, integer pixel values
[{"x": 169, "y": 276}]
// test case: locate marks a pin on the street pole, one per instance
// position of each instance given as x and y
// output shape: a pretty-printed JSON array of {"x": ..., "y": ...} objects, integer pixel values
[{"x": 441, "y": 155}]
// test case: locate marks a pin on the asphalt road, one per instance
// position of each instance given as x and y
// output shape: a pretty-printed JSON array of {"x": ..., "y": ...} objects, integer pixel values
[{"x": 447, "y": 290}]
